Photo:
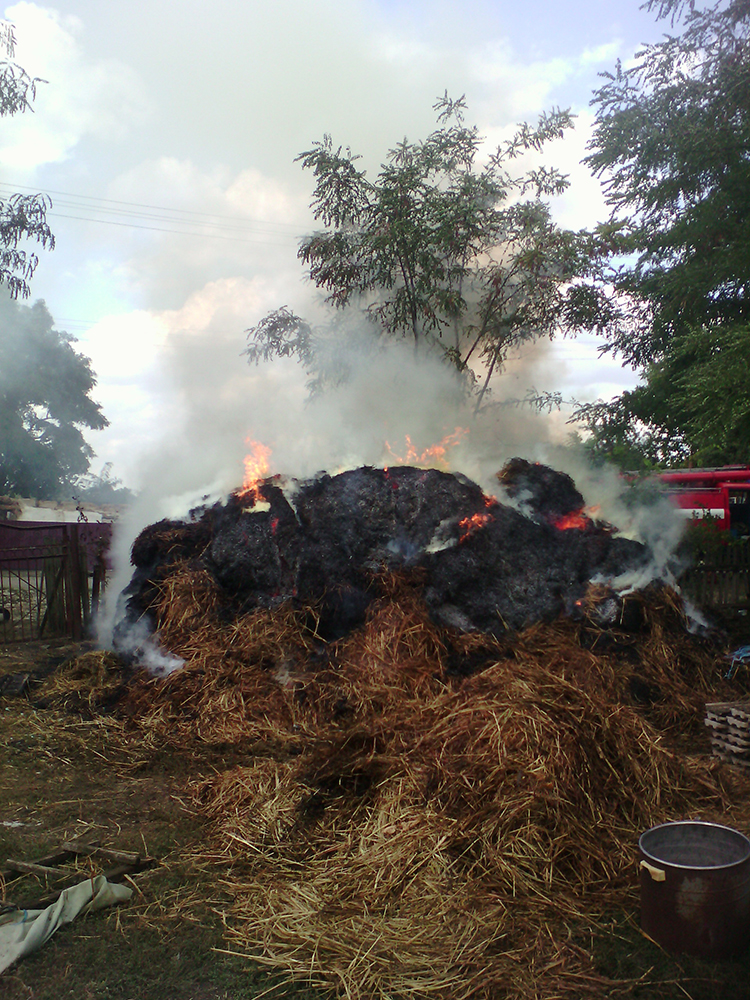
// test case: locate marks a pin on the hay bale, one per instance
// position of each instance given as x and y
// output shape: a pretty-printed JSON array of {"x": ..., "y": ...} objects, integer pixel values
[{"x": 474, "y": 831}]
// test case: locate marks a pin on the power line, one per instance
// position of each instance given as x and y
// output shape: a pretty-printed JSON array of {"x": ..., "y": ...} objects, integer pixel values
[
  {"x": 156, "y": 208},
  {"x": 208, "y": 222},
  {"x": 160, "y": 217},
  {"x": 162, "y": 229}
]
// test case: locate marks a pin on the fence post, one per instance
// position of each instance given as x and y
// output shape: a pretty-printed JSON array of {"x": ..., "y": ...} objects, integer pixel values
[
  {"x": 53, "y": 570},
  {"x": 75, "y": 621}
]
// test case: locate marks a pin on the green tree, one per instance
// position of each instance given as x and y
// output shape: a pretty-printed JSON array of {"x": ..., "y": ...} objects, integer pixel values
[
  {"x": 672, "y": 145},
  {"x": 22, "y": 217},
  {"x": 458, "y": 256},
  {"x": 694, "y": 404},
  {"x": 44, "y": 404},
  {"x": 102, "y": 487}
]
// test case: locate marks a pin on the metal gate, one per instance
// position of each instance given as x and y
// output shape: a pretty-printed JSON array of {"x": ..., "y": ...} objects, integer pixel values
[{"x": 47, "y": 585}]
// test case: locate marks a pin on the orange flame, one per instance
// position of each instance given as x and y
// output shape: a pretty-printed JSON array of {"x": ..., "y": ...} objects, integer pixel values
[
  {"x": 580, "y": 519},
  {"x": 434, "y": 456},
  {"x": 469, "y": 525},
  {"x": 256, "y": 469},
  {"x": 577, "y": 520}
]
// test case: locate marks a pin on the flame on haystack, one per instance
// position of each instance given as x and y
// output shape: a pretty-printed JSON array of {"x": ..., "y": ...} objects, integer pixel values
[
  {"x": 469, "y": 525},
  {"x": 433, "y": 457},
  {"x": 577, "y": 520},
  {"x": 256, "y": 469}
]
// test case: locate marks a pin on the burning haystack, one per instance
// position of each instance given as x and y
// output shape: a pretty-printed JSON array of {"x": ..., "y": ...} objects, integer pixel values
[
  {"x": 449, "y": 738},
  {"x": 486, "y": 566}
]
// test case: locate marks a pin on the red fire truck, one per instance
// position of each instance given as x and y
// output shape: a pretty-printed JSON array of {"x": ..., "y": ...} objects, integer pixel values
[{"x": 720, "y": 495}]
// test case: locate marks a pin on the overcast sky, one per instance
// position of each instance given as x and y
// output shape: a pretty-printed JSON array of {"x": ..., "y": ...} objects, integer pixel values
[{"x": 166, "y": 136}]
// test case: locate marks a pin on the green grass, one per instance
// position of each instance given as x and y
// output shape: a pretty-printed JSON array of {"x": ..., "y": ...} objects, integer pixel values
[{"x": 623, "y": 953}]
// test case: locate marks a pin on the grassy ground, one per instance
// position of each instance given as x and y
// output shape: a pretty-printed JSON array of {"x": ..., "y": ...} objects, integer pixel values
[
  {"x": 62, "y": 777},
  {"x": 646, "y": 972}
]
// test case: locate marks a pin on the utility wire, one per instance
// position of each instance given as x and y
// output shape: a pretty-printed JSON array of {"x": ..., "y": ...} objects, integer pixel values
[
  {"x": 161, "y": 217},
  {"x": 285, "y": 232},
  {"x": 135, "y": 204},
  {"x": 162, "y": 229}
]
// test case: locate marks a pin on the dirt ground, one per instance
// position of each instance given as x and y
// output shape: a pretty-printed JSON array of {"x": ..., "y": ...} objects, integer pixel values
[{"x": 64, "y": 776}]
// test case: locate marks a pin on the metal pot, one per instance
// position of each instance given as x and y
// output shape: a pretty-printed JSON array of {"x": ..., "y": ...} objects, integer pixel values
[{"x": 695, "y": 888}]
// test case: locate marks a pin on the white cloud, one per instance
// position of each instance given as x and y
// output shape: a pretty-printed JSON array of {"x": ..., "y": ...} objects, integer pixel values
[
  {"x": 232, "y": 98},
  {"x": 600, "y": 55},
  {"x": 524, "y": 88},
  {"x": 582, "y": 205},
  {"x": 80, "y": 97},
  {"x": 207, "y": 224}
]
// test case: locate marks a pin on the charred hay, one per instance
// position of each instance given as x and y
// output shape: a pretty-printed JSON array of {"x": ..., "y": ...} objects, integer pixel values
[{"x": 485, "y": 565}]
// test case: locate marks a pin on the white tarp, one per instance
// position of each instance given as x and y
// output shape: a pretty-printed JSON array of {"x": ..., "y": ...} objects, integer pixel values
[{"x": 23, "y": 931}]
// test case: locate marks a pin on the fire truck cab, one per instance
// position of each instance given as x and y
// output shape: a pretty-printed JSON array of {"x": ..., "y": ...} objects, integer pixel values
[{"x": 721, "y": 495}]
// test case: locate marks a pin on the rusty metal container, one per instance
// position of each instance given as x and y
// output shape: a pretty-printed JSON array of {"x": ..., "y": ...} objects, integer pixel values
[{"x": 695, "y": 888}]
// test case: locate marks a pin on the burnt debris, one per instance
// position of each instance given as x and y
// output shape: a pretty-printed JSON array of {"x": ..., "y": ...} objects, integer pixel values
[
  {"x": 483, "y": 565},
  {"x": 544, "y": 493}
]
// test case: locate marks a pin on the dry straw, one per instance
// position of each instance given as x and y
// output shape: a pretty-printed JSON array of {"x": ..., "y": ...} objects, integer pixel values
[
  {"x": 397, "y": 829},
  {"x": 86, "y": 683}
]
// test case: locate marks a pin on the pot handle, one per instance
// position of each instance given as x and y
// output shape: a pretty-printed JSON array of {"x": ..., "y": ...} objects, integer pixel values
[{"x": 657, "y": 874}]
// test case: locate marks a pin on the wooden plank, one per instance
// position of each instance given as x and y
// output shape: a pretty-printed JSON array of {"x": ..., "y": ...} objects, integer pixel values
[
  {"x": 66, "y": 878},
  {"x": 30, "y": 868},
  {"x": 111, "y": 875},
  {"x": 58, "y": 858},
  {"x": 89, "y": 850}
]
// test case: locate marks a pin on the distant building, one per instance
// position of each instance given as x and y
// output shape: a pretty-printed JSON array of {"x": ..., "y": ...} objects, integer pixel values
[{"x": 28, "y": 509}]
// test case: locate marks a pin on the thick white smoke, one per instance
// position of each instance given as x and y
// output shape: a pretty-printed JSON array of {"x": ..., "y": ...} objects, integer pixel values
[
  {"x": 393, "y": 402},
  {"x": 652, "y": 520}
]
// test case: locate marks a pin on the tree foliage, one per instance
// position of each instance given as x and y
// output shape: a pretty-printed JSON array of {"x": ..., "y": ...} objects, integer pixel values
[
  {"x": 457, "y": 255},
  {"x": 694, "y": 405},
  {"x": 22, "y": 217},
  {"x": 672, "y": 145},
  {"x": 102, "y": 488},
  {"x": 44, "y": 404}
]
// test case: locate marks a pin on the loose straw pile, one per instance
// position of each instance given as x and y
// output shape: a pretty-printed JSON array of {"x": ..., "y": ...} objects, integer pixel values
[{"x": 397, "y": 829}]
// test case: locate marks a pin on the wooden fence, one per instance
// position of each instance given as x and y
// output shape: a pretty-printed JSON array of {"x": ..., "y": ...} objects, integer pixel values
[
  {"x": 51, "y": 578},
  {"x": 720, "y": 578}
]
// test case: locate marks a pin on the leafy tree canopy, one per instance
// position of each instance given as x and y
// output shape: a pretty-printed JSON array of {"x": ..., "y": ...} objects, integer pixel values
[
  {"x": 672, "y": 145},
  {"x": 694, "y": 405},
  {"x": 22, "y": 217},
  {"x": 44, "y": 404},
  {"x": 102, "y": 487},
  {"x": 456, "y": 254}
]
